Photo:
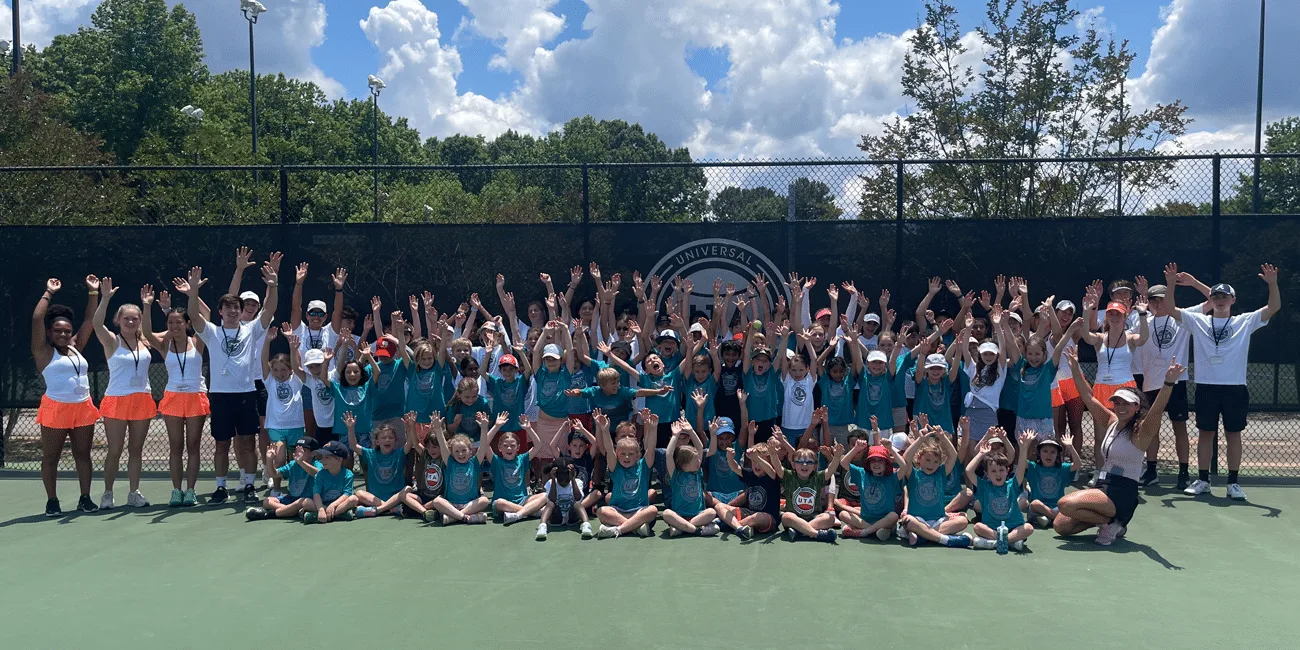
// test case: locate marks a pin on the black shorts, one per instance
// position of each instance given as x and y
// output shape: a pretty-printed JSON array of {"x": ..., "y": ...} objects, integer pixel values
[
  {"x": 234, "y": 414},
  {"x": 1215, "y": 400},
  {"x": 663, "y": 434},
  {"x": 1123, "y": 492},
  {"x": 764, "y": 430},
  {"x": 1176, "y": 409},
  {"x": 325, "y": 434},
  {"x": 746, "y": 513},
  {"x": 261, "y": 397}
]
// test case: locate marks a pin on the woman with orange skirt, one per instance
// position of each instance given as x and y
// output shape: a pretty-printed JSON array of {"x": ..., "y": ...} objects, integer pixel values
[
  {"x": 128, "y": 404},
  {"x": 184, "y": 405},
  {"x": 66, "y": 410},
  {"x": 1115, "y": 345}
]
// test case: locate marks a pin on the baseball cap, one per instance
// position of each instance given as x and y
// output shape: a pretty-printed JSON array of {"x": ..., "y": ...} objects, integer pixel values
[
  {"x": 899, "y": 441},
  {"x": 1015, "y": 316},
  {"x": 871, "y": 318},
  {"x": 1157, "y": 291},
  {"x": 822, "y": 313},
  {"x": 508, "y": 360},
  {"x": 936, "y": 361},
  {"x": 988, "y": 346},
  {"x": 333, "y": 448},
  {"x": 725, "y": 425},
  {"x": 308, "y": 442},
  {"x": 1048, "y": 441},
  {"x": 621, "y": 345},
  {"x": 1063, "y": 305},
  {"x": 1126, "y": 394},
  {"x": 760, "y": 349},
  {"x": 878, "y": 451},
  {"x": 313, "y": 356},
  {"x": 876, "y": 355},
  {"x": 316, "y": 305},
  {"x": 250, "y": 295},
  {"x": 697, "y": 328},
  {"x": 667, "y": 334},
  {"x": 551, "y": 351},
  {"x": 1223, "y": 288},
  {"x": 387, "y": 348},
  {"x": 1115, "y": 305},
  {"x": 490, "y": 326}
]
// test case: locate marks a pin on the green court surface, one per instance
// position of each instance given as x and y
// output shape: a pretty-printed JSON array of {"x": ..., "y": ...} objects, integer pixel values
[{"x": 1193, "y": 573}]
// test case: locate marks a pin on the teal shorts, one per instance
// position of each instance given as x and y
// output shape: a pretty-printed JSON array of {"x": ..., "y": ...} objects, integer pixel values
[{"x": 287, "y": 436}]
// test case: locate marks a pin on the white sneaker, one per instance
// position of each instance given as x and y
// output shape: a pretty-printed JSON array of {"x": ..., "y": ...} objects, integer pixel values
[
  {"x": 1018, "y": 545},
  {"x": 1235, "y": 492},
  {"x": 276, "y": 494},
  {"x": 709, "y": 530},
  {"x": 106, "y": 501},
  {"x": 1198, "y": 487},
  {"x": 607, "y": 532},
  {"x": 586, "y": 530},
  {"x": 643, "y": 530},
  {"x": 510, "y": 517},
  {"x": 985, "y": 544},
  {"x": 1042, "y": 521},
  {"x": 136, "y": 500},
  {"x": 1106, "y": 534},
  {"x": 884, "y": 534},
  {"x": 672, "y": 532},
  {"x": 541, "y": 532}
]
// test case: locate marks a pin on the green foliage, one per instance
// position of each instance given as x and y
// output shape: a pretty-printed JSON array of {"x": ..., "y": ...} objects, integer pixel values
[{"x": 1279, "y": 178}]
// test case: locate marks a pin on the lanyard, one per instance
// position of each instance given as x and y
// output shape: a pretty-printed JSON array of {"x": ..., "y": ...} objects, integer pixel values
[
  {"x": 225, "y": 342},
  {"x": 134, "y": 353},
  {"x": 1162, "y": 332},
  {"x": 1110, "y": 352},
  {"x": 315, "y": 341},
  {"x": 1219, "y": 334},
  {"x": 180, "y": 359},
  {"x": 73, "y": 359}
]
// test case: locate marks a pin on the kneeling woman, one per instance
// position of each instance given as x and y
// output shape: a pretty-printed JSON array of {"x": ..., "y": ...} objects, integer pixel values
[{"x": 1125, "y": 432}]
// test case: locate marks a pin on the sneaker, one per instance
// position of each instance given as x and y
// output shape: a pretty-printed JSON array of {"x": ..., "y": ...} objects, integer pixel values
[
  {"x": 607, "y": 532},
  {"x": 84, "y": 504},
  {"x": 106, "y": 501},
  {"x": 309, "y": 517},
  {"x": 1235, "y": 492},
  {"x": 430, "y": 516},
  {"x": 643, "y": 530},
  {"x": 1121, "y": 531},
  {"x": 1042, "y": 522},
  {"x": 1149, "y": 478},
  {"x": 827, "y": 535},
  {"x": 365, "y": 511},
  {"x": 346, "y": 515},
  {"x": 709, "y": 530},
  {"x": 791, "y": 534},
  {"x": 177, "y": 499},
  {"x": 586, "y": 530},
  {"x": 672, "y": 532},
  {"x": 479, "y": 518},
  {"x": 985, "y": 544},
  {"x": 219, "y": 496},
  {"x": 884, "y": 534},
  {"x": 745, "y": 532},
  {"x": 541, "y": 532},
  {"x": 401, "y": 512},
  {"x": 1092, "y": 482},
  {"x": 250, "y": 494},
  {"x": 1018, "y": 545},
  {"x": 1198, "y": 487},
  {"x": 447, "y": 520},
  {"x": 851, "y": 532},
  {"x": 960, "y": 540},
  {"x": 276, "y": 494},
  {"x": 1106, "y": 534},
  {"x": 1182, "y": 482},
  {"x": 191, "y": 499},
  {"x": 52, "y": 508},
  {"x": 136, "y": 500},
  {"x": 510, "y": 518},
  {"x": 256, "y": 514}
]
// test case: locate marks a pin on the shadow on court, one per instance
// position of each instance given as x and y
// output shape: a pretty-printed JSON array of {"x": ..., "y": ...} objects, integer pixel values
[{"x": 1087, "y": 543}]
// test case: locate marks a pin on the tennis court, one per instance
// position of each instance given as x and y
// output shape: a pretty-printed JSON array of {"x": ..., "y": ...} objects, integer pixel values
[{"x": 1192, "y": 573}]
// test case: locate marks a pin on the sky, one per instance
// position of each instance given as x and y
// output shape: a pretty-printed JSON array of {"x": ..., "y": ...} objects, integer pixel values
[{"x": 728, "y": 78}]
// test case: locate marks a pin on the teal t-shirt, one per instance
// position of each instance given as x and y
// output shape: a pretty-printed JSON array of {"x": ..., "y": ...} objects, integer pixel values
[
  {"x": 876, "y": 397},
  {"x": 550, "y": 391},
  {"x": 462, "y": 481},
  {"x": 837, "y": 397},
  {"x": 934, "y": 400},
  {"x": 586, "y": 376},
  {"x": 1010, "y": 395},
  {"x": 390, "y": 390},
  {"x": 630, "y": 486},
  {"x": 998, "y": 503},
  {"x": 876, "y": 494},
  {"x": 667, "y": 407},
  {"x": 508, "y": 397},
  {"x": 710, "y": 388},
  {"x": 1047, "y": 484},
  {"x": 509, "y": 478},
  {"x": 468, "y": 417},
  {"x": 688, "y": 492},
  {"x": 721, "y": 479},
  {"x": 329, "y": 487},
  {"x": 301, "y": 484},
  {"x": 384, "y": 471},
  {"x": 624, "y": 379},
  {"x": 424, "y": 391},
  {"x": 1034, "y": 400},
  {"x": 764, "y": 395},
  {"x": 617, "y": 406},
  {"x": 925, "y": 493},
  {"x": 357, "y": 399},
  {"x": 902, "y": 374}
]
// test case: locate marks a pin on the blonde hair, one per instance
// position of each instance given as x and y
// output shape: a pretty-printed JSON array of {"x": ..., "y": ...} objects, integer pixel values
[
  {"x": 607, "y": 374},
  {"x": 460, "y": 439},
  {"x": 929, "y": 446},
  {"x": 422, "y": 347},
  {"x": 623, "y": 429},
  {"x": 462, "y": 386},
  {"x": 281, "y": 358},
  {"x": 685, "y": 455},
  {"x": 628, "y": 444},
  {"x": 117, "y": 320},
  {"x": 802, "y": 453},
  {"x": 507, "y": 434}
]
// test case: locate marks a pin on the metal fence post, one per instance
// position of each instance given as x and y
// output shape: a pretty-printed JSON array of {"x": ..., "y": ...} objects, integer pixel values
[
  {"x": 1216, "y": 255},
  {"x": 586, "y": 197},
  {"x": 284, "y": 195},
  {"x": 898, "y": 225}
]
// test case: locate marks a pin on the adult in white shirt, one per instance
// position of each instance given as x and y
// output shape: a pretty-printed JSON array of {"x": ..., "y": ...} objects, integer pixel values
[
  {"x": 1222, "y": 344},
  {"x": 232, "y": 394}
]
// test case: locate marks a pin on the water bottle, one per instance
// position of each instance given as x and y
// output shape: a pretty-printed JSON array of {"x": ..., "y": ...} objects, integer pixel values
[{"x": 1002, "y": 538}]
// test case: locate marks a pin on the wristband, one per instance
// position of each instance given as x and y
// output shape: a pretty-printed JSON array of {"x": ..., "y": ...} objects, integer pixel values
[
  {"x": 1171, "y": 385},
  {"x": 93, "y": 293}
]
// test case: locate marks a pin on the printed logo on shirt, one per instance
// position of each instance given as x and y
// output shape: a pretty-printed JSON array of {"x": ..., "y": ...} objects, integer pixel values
[
  {"x": 283, "y": 391},
  {"x": 331, "y": 495},
  {"x": 386, "y": 378},
  {"x": 805, "y": 500},
  {"x": 432, "y": 478},
  {"x": 1047, "y": 484},
  {"x": 757, "y": 497},
  {"x": 424, "y": 382},
  {"x": 508, "y": 394},
  {"x": 875, "y": 391},
  {"x": 705, "y": 260},
  {"x": 1000, "y": 506},
  {"x": 730, "y": 382},
  {"x": 690, "y": 490},
  {"x": 460, "y": 480},
  {"x": 298, "y": 485},
  {"x": 385, "y": 473},
  {"x": 550, "y": 387},
  {"x": 631, "y": 485},
  {"x": 874, "y": 495},
  {"x": 511, "y": 476},
  {"x": 928, "y": 492},
  {"x": 324, "y": 394},
  {"x": 231, "y": 346},
  {"x": 800, "y": 395},
  {"x": 1164, "y": 336},
  {"x": 837, "y": 391}
]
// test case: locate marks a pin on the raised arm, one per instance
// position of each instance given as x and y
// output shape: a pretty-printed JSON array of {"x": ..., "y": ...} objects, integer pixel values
[
  {"x": 376, "y": 318},
  {"x": 340, "y": 278},
  {"x": 265, "y": 370},
  {"x": 1101, "y": 416},
  {"x": 42, "y": 351},
  {"x": 146, "y": 320},
  {"x": 106, "y": 338},
  {"x": 1268, "y": 273},
  {"x": 243, "y": 260},
  {"x": 1026, "y": 439},
  {"x": 648, "y": 436},
  {"x": 295, "y": 303},
  {"x": 272, "y": 292}
]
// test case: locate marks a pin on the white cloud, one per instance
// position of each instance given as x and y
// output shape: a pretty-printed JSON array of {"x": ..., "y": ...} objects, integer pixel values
[
  {"x": 285, "y": 36},
  {"x": 521, "y": 25},
  {"x": 42, "y": 21}
]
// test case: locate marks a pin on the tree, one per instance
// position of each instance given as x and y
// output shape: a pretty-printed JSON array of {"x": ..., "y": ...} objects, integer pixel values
[
  {"x": 1039, "y": 91},
  {"x": 748, "y": 204},
  {"x": 1279, "y": 178},
  {"x": 126, "y": 75},
  {"x": 813, "y": 201}
]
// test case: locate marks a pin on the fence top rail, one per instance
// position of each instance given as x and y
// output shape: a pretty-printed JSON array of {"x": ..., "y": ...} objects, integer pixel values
[{"x": 633, "y": 165}]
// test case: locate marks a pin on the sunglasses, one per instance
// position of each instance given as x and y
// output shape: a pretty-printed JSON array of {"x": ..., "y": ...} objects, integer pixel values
[
  {"x": 805, "y": 462},
  {"x": 315, "y": 313}
]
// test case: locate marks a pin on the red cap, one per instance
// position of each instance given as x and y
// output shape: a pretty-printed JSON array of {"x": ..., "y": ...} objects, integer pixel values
[
  {"x": 739, "y": 336},
  {"x": 1117, "y": 306},
  {"x": 878, "y": 451},
  {"x": 508, "y": 360},
  {"x": 386, "y": 348},
  {"x": 823, "y": 312}
]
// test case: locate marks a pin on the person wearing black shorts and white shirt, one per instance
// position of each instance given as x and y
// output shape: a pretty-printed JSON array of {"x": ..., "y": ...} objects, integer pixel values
[
  {"x": 231, "y": 393},
  {"x": 1222, "y": 343}
]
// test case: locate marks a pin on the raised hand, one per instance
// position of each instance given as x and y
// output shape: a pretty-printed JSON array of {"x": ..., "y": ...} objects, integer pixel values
[
  {"x": 274, "y": 261},
  {"x": 164, "y": 301},
  {"x": 106, "y": 286},
  {"x": 502, "y": 418},
  {"x": 92, "y": 282},
  {"x": 349, "y": 419},
  {"x": 1174, "y": 373},
  {"x": 146, "y": 295},
  {"x": 243, "y": 258},
  {"x": 300, "y": 273},
  {"x": 269, "y": 274},
  {"x": 375, "y": 303},
  {"x": 340, "y": 278},
  {"x": 1268, "y": 273}
]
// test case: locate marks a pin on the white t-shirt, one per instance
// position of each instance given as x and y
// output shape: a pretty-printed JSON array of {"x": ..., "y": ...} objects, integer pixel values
[
  {"x": 283, "y": 402},
  {"x": 1168, "y": 341},
  {"x": 1222, "y": 345},
  {"x": 796, "y": 413},
  {"x": 323, "y": 339},
  {"x": 989, "y": 395},
  {"x": 322, "y": 401},
  {"x": 232, "y": 358}
]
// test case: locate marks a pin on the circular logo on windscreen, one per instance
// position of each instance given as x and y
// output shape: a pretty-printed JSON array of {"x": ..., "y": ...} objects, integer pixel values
[{"x": 705, "y": 260}]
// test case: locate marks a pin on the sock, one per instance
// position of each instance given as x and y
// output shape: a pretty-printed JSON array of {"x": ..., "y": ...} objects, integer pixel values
[
  {"x": 1204, "y": 475},
  {"x": 1151, "y": 466},
  {"x": 1232, "y": 476},
  {"x": 943, "y": 539},
  {"x": 1182, "y": 469},
  {"x": 221, "y": 481}
]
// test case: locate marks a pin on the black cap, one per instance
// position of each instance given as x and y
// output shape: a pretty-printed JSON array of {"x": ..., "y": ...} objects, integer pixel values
[
  {"x": 308, "y": 442},
  {"x": 1223, "y": 288},
  {"x": 333, "y": 448}
]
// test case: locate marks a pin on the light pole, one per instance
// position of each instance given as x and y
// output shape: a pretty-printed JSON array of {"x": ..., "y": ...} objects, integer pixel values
[
  {"x": 4, "y": 51},
  {"x": 16, "y": 65},
  {"x": 252, "y": 9},
  {"x": 377, "y": 86},
  {"x": 196, "y": 116},
  {"x": 1259, "y": 109}
]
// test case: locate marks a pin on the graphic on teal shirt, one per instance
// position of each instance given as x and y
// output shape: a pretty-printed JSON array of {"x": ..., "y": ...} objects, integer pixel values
[
  {"x": 934, "y": 400},
  {"x": 424, "y": 392},
  {"x": 550, "y": 391},
  {"x": 688, "y": 492},
  {"x": 468, "y": 416},
  {"x": 1047, "y": 484},
  {"x": 837, "y": 397},
  {"x": 390, "y": 390},
  {"x": 301, "y": 484},
  {"x": 876, "y": 397},
  {"x": 462, "y": 480},
  {"x": 508, "y": 397},
  {"x": 998, "y": 503},
  {"x": 630, "y": 486},
  {"x": 384, "y": 471},
  {"x": 925, "y": 493},
  {"x": 764, "y": 395},
  {"x": 508, "y": 478},
  {"x": 667, "y": 407},
  {"x": 721, "y": 478},
  {"x": 1034, "y": 400},
  {"x": 877, "y": 494},
  {"x": 359, "y": 400},
  {"x": 586, "y": 376},
  {"x": 332, "y": 486},
  {"x": 617, "y": 406}
]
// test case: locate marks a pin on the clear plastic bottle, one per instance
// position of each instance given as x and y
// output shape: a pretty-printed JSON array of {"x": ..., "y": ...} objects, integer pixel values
[{"x": 1002, "y": 538}]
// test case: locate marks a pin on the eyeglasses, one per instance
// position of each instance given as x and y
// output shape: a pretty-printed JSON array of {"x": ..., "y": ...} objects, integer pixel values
[
  {"x": 315, "y": 313},
  {"x": 805, "y": 462}
]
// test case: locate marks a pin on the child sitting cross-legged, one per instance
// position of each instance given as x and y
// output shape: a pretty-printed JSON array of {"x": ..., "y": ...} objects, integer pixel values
[
  {"x": 301, "y": 474},
  {"x": 629, "y": 506},
  {"x": 932, "y": 458},
  {"x": 564, "y": 494},
  {"x": 430, "y": 472},
  {"x": 1047, "y": 478},
  {"x": 384, "y": 465},
  {"x": 511, "y": 501},
  {"x": 462, "y": 496},
  {"x": 878, "y": 485},
  {"x": 805, "y": 489},
  {"x": 332, "y": 496},
  {"x": 687, "y": 514},
  {"x": 999, "y": 494}
]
